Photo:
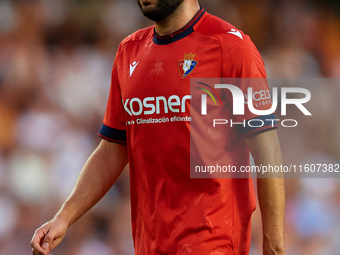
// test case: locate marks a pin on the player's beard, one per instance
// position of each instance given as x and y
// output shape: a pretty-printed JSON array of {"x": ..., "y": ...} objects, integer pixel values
[{"x": 162, "y": 9}]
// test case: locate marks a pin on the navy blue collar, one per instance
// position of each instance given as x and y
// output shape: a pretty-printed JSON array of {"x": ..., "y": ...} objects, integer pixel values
[{"x": 179, "y": 34}]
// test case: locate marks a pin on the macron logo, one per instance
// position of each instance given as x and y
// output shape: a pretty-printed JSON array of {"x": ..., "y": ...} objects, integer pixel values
[
  {"x": 133, "y": 67},
  {"x": 236, "y": 32}
]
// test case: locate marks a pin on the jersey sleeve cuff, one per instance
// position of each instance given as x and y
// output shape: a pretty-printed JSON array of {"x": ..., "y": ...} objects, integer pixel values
[
  {"x": 258, "y": 124},
  {"x": 112, "y": 135}
]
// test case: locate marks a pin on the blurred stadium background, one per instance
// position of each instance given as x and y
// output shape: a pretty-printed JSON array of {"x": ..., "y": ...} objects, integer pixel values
[{"x": 55, "y": 66}]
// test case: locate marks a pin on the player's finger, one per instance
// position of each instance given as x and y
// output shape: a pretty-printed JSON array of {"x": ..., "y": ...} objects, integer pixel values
[
  {"x": 51, "y": 239},
  {"x": 34, "y": 252},
  {"x": 36, "y": 241},
  {"x": 47, "y": 241},
  {"x": 46, "y": 246}
]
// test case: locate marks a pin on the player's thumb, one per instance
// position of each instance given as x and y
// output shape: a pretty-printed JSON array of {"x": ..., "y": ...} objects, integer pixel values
[{"x": 47, "y": 243}]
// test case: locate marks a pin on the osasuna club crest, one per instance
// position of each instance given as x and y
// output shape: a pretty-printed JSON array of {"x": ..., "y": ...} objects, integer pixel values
[{"x": 187, "y": 65}]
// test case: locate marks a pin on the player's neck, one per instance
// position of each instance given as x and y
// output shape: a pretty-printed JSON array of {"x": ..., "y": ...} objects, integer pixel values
[{"x": 178, "y": 19}]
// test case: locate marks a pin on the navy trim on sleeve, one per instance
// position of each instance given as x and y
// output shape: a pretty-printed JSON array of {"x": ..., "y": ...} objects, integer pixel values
[
  {"x": 259, "y": 123},
  {"x": 112, "y": 135}
]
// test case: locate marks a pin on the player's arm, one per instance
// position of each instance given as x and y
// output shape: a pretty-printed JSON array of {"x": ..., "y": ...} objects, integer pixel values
[
  {"x": 265, "y": 149},
  {"x": 99, "y": 173}
]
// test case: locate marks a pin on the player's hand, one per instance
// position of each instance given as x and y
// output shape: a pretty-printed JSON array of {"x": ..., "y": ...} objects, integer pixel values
[{"x": 48, "y": 236}]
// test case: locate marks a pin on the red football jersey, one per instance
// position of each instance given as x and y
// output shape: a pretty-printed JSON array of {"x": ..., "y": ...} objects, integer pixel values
[{"x": 149, "y": 110}]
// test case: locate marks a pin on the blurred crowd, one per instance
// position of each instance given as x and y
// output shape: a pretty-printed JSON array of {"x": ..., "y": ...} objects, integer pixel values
[{"x": 55, "y": 67}]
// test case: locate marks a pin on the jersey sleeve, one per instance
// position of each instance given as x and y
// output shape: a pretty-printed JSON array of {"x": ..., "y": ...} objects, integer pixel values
[
  {"x": 114, "y": 124},
  {"x": 244, "y": 66}
]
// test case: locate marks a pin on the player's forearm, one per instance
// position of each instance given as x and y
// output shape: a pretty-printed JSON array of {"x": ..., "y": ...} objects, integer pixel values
[
  {"x": 99, "y": 173},
  {"x": 271, "y": 194},
  {"x": 272, "y": 203},
  {"x": 265, "y": 149}
]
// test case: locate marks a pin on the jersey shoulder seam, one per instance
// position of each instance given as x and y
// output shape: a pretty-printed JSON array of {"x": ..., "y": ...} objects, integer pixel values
[
  {"x": 220, "y": 45},
  {"x": 130, "y": 39}
]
